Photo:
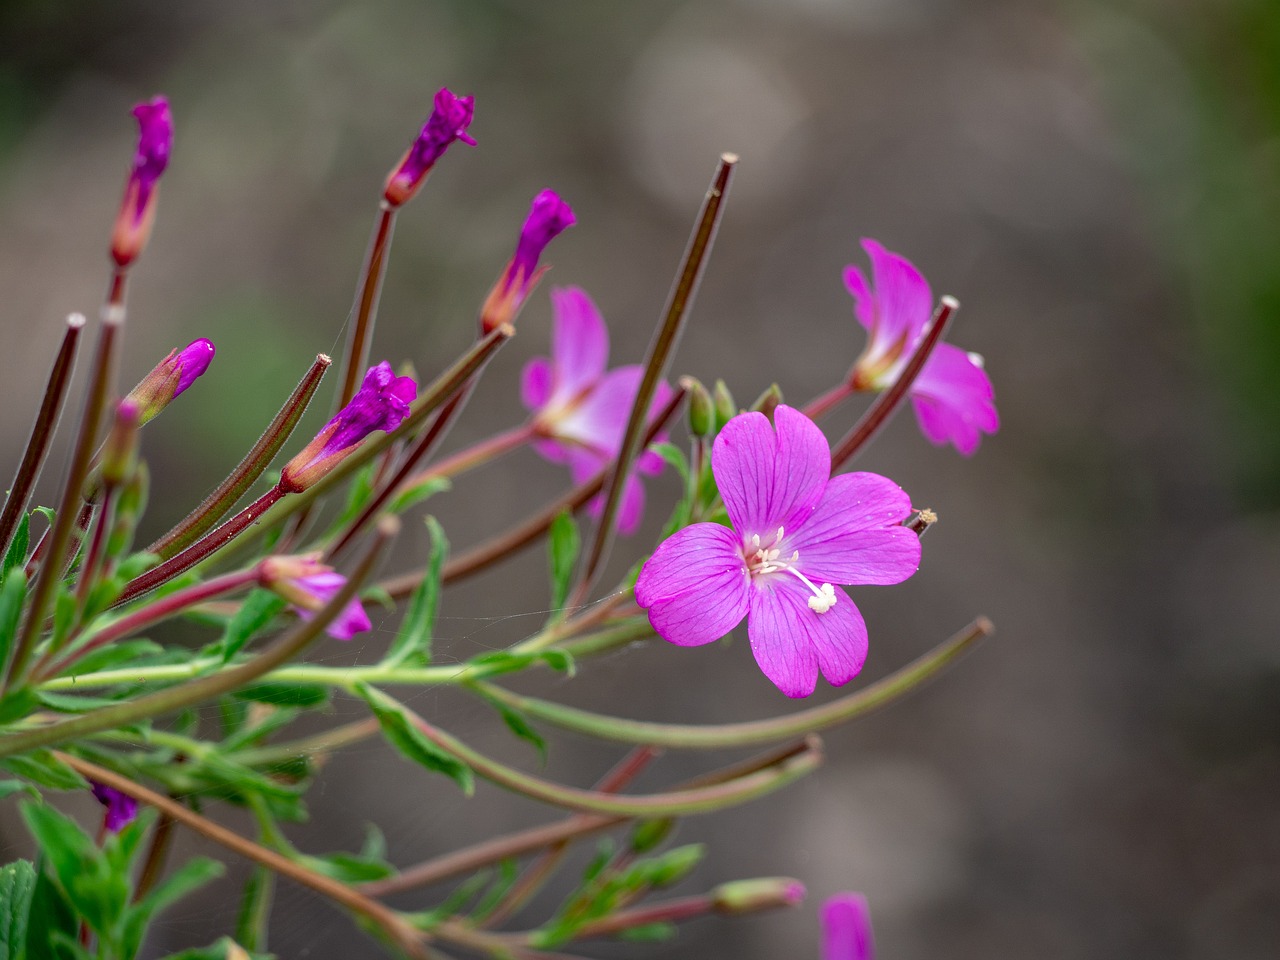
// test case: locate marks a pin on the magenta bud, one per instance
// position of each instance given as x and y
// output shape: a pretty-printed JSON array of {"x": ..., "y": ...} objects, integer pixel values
[
  {"x": 121, "y": 808},
  {"x": 137, "y": 209},
  {"x": 752, "y": 896},
  {"x": 448, "y": 122},
  {"x": 170, "y": 377},
  {"x": 549, "y": 216},
  {"x": 308, "y": 585}
]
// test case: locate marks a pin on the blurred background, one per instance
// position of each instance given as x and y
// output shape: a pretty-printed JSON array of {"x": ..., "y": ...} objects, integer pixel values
[{"x": 1098, "y": 183}]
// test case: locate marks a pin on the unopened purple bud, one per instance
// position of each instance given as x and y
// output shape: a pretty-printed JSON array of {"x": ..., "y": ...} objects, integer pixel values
[
  {"x": 448, "y": 122},
  {"x": 846, "y": 928},
  {"x": 137, "y": 210},
  {"x": 309, "y": 585},
  {"x": 549, "y": 216},
  {"x": 171, "y": 377},
  {"x": 121, "y": 808},
  {"x": 381, "y": 403}
]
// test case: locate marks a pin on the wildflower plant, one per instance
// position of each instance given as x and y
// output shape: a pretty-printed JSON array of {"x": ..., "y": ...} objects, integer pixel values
[{"x": 766, "y": 528}]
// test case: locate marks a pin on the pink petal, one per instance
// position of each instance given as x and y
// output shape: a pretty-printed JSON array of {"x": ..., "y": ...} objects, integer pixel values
[
  {"x": 903, "y": 302},
  {"x": 631, "y": 509},
  {"x": 536, "y": 383},
  {"x": 601, "y": 417},
  {"x": 846, "y": 928},
  {"x": 552, "y": 451},
  {"x": 767, "y": 479},
  {"x": 695, "y": 585},
  {"x": 792, "y": 642},
  {"x": 954, "y": 399},
  {"x": 579, "y": 341},
  {"x": 856, "y": 534}
]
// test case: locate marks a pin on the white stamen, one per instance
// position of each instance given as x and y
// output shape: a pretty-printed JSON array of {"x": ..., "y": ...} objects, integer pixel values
[{"x": 824, "y": 600}]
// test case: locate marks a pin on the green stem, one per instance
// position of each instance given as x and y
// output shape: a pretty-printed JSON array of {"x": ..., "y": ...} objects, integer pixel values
[{"x": 694, "y": 737}]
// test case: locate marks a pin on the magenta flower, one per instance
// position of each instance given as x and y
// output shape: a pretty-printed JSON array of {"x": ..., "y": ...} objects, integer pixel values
[
  {"x": 952, "y": 396},
  {"x": 448, "y": 122},
  {"x": 549, "y": 216},
  {"x": 797, "y": 533},
  {"x": 381, "y": 403},
  {"x": 309, "y": 585},
  {"x": 846, "y": 928},
  {"x": 121, "y": 808},
  {"x": 137, "y": 210},
  {"x": 580, "y": 407},
  {"x": 171, "y": 377}
]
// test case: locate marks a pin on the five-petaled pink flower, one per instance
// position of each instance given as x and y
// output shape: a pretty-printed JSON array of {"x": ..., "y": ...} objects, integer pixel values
[
  {"x": 580, "y": 407},
  {"x": 846, "y": 928},
  {"x": 797, "y": 533},
  {"x": 448, "y": 122},
  {"x": 952, "y": 395},
  {"x": 549, "y": 216},
  {"x": 381, "y": 403},
  {"x": 121, "y": 808},
  {"x": 137, "y": 209}
]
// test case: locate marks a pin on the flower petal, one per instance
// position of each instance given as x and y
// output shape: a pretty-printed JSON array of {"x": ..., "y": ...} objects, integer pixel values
[
  {"x": 695, "y": 585},
  {"x": 770, "y": 479},
  {"x": 579, "y": 341},
  {"x": 846, "y": 928},
  {"x": 536, "y": 382},
  {"x": 792, "y": 643},
  {"x": 954, "y": 399},
  {"x": 856, "y": 535},
  {"x": 901, "y": 303},
  {"x": 600, "y": 419}
]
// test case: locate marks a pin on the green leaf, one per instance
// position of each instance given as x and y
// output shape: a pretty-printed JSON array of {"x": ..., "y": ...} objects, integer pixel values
[
  {"x": 17, "y": 885},
  {"x": 516, "y": 721},
  {"x": 190, "y": 876},
  {"x": 42, "y": 767},
  {"x": 255, "y": 908},
  {"x": 80, "y": 869},
  {"x": 12, "y": 595},
  {"x": 357, "y": 496},
  {"x": 260, "y": 607},
  {"x": 668, "y": 868},
  {"x": 284, "y": 694},
  {"x": 649, "y": 933},
  {"x": 349, "y": 867},
  {"x": 17, "y": 704},
  {"x": 414, "y": 639},
  {"x": 67, "y": 703},
  {"x": 137, "y": 564},
  {"x": 51, "y": 917},
  {"x": 115, "y": 655},
  {"x": 403, "y": 734},
  {"x": 503, "y": 661},
  {"x": 675, "y": 457},
  {"x": 216, "y": 951},
  {"x": 563, "y": 543},
  {"x": 9, "y": 787},
  {"x": 64, "y": 615},
  {"x": 17, "y": 552},
  {"x": 409, "y": 496},
  {"x": 508, "y": 871}
]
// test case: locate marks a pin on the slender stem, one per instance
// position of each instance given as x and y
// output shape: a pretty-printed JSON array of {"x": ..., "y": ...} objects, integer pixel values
[
  {"x": 95, "y": 554},
  {"x": 157, "y": 853},
  {"x": 707, "y": 737},
  {"x": 201, "y": 550},
  {"x": 675, "y": 803},
  {"x": 225, "y": 495},
  {"x": 55, "y": 395},
  {"x": 820, "y": 406},
  {"x": 669, "y": 911},
  {"x": 660, "y": 350},
  {"x": 882, "y": 409},
  {"x": 383, "y": 917},
  {"x": 58, "y": 539},
  {"x": 365, "y": 309},
  {"x": 208, "y": 687},
  {"x": 477, "y": 454},
  {"x": 531, "y": 529}
]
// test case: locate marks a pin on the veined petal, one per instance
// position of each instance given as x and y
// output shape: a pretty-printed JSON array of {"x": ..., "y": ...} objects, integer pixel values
[
  {"x": 903, "y": 302},
  {"x": 770, "y": 479},
  {"x": 954, "y": 399},
  {"x": 846, "y": 928},
  {"x": 792, "y": 642},
  {"x": 601, "y": 418},
  {"x": 579, "y": 341},
  {"x": 856, "y": 535},
  {"x": 695, "y": 585},
  {"x": 536, "y": 383}
]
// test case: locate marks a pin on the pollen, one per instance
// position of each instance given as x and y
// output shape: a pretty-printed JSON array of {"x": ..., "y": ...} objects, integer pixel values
[{"x": 824, "y": 599}]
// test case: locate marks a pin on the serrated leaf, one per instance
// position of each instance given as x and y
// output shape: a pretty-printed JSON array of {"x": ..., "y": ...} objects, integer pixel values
[
  {"x": 260, "y": 607},
  {"x": 403, "y": 734},
  {"x": 17, "y": 885},
  {"x": 416, "y": 494},
  {"x": 42, "y": 767},
  {"x": 17, "y": 552},
  {"x": 563, "y": 544},
  {"x": 419, "y": 624}
]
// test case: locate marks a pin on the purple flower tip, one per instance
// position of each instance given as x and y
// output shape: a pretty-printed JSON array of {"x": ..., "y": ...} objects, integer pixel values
[
  {"x": 448, "y": 122},
  {"x": 192, "y": 361},
  {"x": 549, "y": 216},
  {"x": 121, "y": 808},
  {"x": 846, "y": 928},
  {"x": 797, "y": 535},
  {"x": 155, "y": 141},
  {"x": 309, "y": 585}
]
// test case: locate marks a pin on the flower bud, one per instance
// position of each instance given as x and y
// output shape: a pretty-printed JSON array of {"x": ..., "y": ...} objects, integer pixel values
[
  {"x": 308, "y": 585},
  {"x": 768, "y": 401},
  {"x": 726, "y": 409},
  {"x": 138, "y": 208},
  {"x": 170, "y": 377},
  {"x": 448, "y": 122},
  {"x": 752, "y": 896},
  {"x": 120, "y": 451},
  {"x": 121, "y": 808},
  {"x": 549, "y": 216},
  {"x": 702, "y": 409},
  {"x": 381, "y": 403},
  {"x": 648, "y": 834}
]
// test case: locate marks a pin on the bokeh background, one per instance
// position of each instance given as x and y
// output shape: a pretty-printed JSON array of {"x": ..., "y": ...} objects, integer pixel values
[{"x": 1098, "y": 183}]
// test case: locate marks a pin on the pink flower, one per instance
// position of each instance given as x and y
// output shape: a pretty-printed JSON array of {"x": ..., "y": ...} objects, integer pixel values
[
  {"x": 581, "y": 408},
  {"x": 137, "y": 210},
  {"x": 952, "y": 396},
  {"x": 381, "y": 403},
  {"x": 797, "y": 532},
  {"x": 309, "y": 585},
  {"x": 448, "y": 122},
  {"x": 121, "y": 808},
  {"x": 171, "y": 377},
  {"x": 846, "y": 928},
  {"x": 549, "y": 216}
]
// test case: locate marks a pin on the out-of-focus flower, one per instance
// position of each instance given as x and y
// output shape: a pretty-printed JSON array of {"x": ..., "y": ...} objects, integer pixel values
[
  {"x": 138, "y": 208},
  {"x": 309, "y": 585},
  {"x": 448, "y": 122},
  {"x": 761, "y": 893},
  {"x": 846, "y": 928},
  {"x": 580, "y": 407},
  {"x": 797, "y": 532},
  {"x": 121, "y": 808},
  {"x": 549, "y": 216},
  {"x": 170, "y": 377},
  {"x": 382, "y": 401},
  {"x": 952, "y": 396}
]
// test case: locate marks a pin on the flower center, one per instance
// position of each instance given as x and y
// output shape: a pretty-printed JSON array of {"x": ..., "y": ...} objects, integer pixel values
[{"x": 765, "y": 559}]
